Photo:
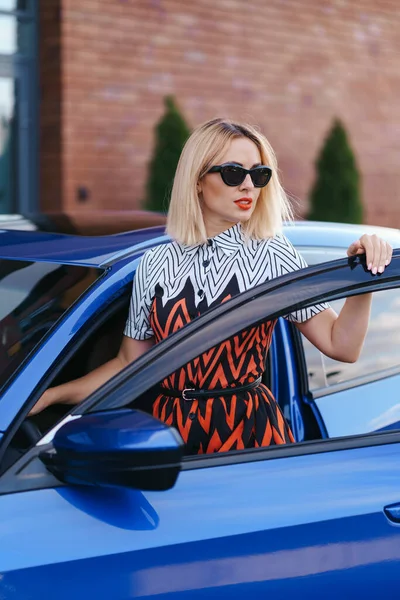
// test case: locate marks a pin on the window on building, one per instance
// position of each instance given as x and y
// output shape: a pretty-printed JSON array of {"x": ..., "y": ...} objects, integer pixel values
[{"x": 17, "y": 106}]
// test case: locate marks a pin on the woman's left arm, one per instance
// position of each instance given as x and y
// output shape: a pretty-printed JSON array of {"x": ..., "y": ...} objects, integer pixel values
[{"x": 341, "y": 337}]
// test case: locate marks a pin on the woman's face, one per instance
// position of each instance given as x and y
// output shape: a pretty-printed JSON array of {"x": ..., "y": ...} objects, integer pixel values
[{"x": 224, "y": 206}]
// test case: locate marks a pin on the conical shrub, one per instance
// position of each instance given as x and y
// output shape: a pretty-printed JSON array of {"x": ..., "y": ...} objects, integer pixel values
[
  {"x": 171, "y": 133},
  {"x": 335, "y": 195}
]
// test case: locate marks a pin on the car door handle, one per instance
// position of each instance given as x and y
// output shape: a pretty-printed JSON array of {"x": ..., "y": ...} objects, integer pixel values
[{"x": 393, "y": 512}]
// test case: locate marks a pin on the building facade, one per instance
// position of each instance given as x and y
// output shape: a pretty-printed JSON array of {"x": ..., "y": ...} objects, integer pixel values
[{"x": 82, "y": 84}]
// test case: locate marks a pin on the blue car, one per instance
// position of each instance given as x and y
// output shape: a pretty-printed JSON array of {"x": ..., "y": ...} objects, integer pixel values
[{"x": 101, "y": 502}]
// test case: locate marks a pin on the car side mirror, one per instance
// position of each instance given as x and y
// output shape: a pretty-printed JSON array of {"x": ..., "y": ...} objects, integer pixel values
[{"x": 126, "y": 448}]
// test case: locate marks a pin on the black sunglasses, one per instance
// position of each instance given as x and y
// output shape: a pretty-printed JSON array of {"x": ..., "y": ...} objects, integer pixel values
[{"x": 234, "y": 175}]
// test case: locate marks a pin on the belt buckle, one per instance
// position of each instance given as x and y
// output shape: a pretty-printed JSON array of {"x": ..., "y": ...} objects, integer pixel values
[{"x": 187, "y": 390}]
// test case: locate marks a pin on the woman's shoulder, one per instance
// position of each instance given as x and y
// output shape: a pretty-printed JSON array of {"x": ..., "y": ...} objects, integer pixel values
[
  {"x": 162, "y": 248},
  {"x": 280, "y": 253},
  {"x": 277, "y": 244},
  {"x": 161, "y": 252},
  {"x": 280, "y": 243},
  {"x": 283, "y": 254}
]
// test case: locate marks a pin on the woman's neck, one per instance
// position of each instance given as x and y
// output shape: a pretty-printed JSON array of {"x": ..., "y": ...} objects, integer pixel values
[{"x": 214, "y": 228}]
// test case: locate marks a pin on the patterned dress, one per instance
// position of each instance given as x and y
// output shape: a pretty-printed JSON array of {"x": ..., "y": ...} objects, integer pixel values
[{"x": 173, "y": 285}]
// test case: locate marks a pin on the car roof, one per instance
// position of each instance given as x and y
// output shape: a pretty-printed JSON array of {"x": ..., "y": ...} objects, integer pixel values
[
  {"x": 335, "y": 235},
  {"x": 92, "y": 251},
  {"x": 100, "y": 251}
]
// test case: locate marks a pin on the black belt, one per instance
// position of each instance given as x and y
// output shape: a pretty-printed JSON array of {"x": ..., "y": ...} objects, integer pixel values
[{"x": 193, "y": 394}]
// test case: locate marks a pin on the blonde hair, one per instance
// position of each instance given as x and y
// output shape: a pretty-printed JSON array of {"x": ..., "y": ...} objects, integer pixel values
[{"x": 185, "y": 221}]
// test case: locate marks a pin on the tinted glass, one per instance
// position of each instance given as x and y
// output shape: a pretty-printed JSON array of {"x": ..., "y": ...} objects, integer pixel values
[
  {"x": 381, "y": 349},
  {"x": 33, "y": 297}
]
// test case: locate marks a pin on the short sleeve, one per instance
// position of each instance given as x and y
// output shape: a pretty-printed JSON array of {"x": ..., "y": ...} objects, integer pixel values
[
  {"x": 286, "y": 259},
  {"x": 138, "y": 324}
]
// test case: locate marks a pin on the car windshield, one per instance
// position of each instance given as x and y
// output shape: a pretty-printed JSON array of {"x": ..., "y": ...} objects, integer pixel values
[{"x": 34, "y": 295}]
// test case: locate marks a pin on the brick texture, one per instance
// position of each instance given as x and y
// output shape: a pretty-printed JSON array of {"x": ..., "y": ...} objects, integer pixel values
[{"x": 289, "y": 66}]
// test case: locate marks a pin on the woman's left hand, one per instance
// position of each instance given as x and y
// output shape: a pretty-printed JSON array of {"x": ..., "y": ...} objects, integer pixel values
[{"x": 378, "y": 252}]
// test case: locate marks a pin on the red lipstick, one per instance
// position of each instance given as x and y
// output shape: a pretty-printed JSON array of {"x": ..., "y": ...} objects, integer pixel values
[{"x": 244, "y": 203}]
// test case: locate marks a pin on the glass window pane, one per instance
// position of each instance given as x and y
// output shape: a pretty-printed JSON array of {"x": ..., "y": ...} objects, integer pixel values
[
  {"x": 8, "y": 34},
  {"x": 8, "y": 145},
  {"x": 381, "y": 349},
  {"x": 13, "y": 4},
  {"x": 16, "y": 36},
  {"x": 7, "y": 4},
  {"x": 34, "y": 296}
]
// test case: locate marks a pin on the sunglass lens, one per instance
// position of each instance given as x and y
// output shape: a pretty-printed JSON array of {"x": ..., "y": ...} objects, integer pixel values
[
  {"x": 232, "y": 175},
  {"x": 261, "y": 177}
]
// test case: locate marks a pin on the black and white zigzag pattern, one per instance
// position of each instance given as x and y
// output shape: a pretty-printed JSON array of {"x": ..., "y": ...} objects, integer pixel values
[{"x": 210, "y": 267}]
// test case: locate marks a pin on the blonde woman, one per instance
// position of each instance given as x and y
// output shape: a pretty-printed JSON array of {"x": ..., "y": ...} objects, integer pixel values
[{"x": 225, "y": 220}]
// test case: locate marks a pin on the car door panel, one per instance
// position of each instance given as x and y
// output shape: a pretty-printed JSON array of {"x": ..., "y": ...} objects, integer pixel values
[
  {"x": 281, "y": 526},
  {"x": 362, "y": 408}
]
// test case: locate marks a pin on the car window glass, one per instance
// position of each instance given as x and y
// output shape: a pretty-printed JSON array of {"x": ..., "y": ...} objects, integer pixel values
[
  {"x": 238, "y": 419},
  {"x": 33, "y": 297},
  {"x": 314, "y": 255},
  {"x": 380, "y": 353}
]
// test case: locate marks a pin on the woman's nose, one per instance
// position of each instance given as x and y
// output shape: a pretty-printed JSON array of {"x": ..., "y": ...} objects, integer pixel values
[{"x": 247, "y": 183}]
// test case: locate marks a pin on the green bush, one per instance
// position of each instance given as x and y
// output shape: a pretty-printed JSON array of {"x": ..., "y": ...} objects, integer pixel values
[
  {"x": 171, "y": 135},
  {"x": 336, "y": 193}
]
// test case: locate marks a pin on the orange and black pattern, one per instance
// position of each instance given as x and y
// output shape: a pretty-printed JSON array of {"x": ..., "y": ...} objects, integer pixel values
[{"x": 244, "y": 420}]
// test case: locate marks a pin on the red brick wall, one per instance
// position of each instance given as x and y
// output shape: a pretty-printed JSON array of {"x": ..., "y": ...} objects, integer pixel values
[{"x": 290, "y": 66}]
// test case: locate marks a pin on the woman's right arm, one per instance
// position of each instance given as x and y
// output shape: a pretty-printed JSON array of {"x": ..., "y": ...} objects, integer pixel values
[{"x": 75, "y": 391}]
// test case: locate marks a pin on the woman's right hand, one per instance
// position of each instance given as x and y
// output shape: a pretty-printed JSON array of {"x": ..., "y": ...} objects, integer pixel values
[
  {"x": 75, "y": 391},
  {"x": 45, "y": 400}
]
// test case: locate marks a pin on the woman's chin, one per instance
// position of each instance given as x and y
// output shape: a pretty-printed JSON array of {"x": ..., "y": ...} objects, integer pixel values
[{"x": 245, "y": 216}]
